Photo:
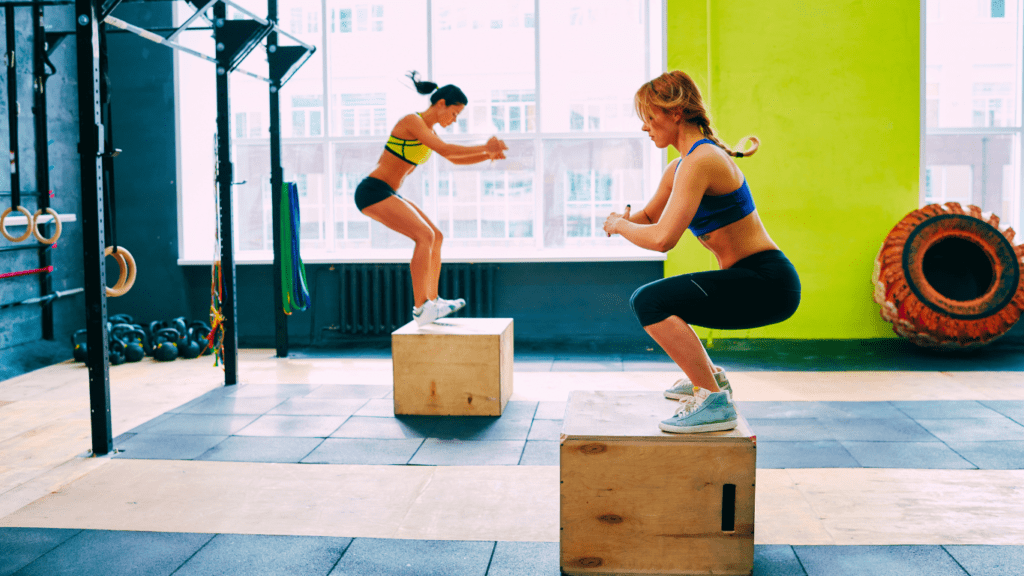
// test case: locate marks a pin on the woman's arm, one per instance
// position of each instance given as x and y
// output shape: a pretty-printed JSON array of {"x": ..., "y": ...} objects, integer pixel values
[
  {"x": 684, "y": 195},
  {"x": 454, "y": 153}
]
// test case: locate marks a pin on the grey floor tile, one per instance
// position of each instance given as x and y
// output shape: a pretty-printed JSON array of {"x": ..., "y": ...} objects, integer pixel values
[
  {"x": 1012, "y": 409},
  {"x": 586, "y": 364},
  {"x": 771, "y": 429},
  {"x": 233, "y": 405},
  {"x": 519, "y": 410},
  {"x": 819, "y": 454},
  {"x": 269, "y": 390},
  {"x": 952, "y": 430},
  {"x": 142, "y": 428},
  {"x": 363, "y": 451},
  {"x": 385, "y": 428},
  {"x": 936, "y": 409},
  {"x": 533, "y": 364},
  {"x": 298, "y": 426},
  {"x": 261, "y": 449},
  {"x": 203, "y": 424},
  {"x": 994, "y": 455},
  {"x": 666, "y": 365},
  {"x": 481, "y": 428},
  {"x": 776, "y": 560},
  {"x": 989, "y": 560},
  {"x": 378, "y": 407},
  {"x": 877, "y": 561},
  {"x": 540, "y": 453},
  {"x": 522, "y": 558},
  {"x": 438, "y": 452},
  {"x": 118, "y": 553},
  {"x": 550, "y": 411},
  {"x": 166, "y": 446},
  {"x": 320, "y": 406},
  {"x": 246, "y": 555},
  {"x": 872, "y": 410},
  {"x": 919, "y": 455},
  {"x": 350, "y": 391},
  {"x": 22, "y": 546},
  {"x": 545, "y": 430},
  {"x": 786, "y": 410},
  {"x": 377, "y": 557},
  {"x": 901, "y": 429}
]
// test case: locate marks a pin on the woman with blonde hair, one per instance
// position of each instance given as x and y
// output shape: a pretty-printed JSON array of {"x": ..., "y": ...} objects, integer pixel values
[
  {"x": 410, "y": 144},
  {"x": 704, "y": 191}
]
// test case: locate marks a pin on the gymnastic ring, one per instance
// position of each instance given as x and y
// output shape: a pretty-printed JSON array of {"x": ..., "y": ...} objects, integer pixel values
[
  {"x": 35, "y": 230},
  {"x": 949, "y": 277},
  {"x": 28, "y": 223},
  {"x": 122, "y": 271}
]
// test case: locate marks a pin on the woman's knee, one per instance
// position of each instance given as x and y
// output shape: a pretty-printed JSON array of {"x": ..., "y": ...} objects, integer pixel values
[
  {"x": 425, "y": 235},
  {"x": 438, "y": 238},
  {"x": 641, "y": 302}
]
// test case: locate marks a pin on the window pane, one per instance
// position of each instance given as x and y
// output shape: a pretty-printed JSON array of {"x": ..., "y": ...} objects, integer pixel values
[
  {"x": 352, "y": 163},
  {"x": 973, "y": 64},
  {"x": 972, "y": 169},
  {"x": 252, "y": 199},
  {"x": 585, "y": 77}
]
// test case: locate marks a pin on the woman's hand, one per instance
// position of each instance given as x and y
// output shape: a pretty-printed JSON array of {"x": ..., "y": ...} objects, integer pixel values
[
  {"x": 496, "y": 148},
  {"x": 613, "y": 220}
]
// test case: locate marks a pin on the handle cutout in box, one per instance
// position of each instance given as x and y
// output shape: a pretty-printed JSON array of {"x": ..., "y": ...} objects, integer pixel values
[{"x": 728, "y": 507}]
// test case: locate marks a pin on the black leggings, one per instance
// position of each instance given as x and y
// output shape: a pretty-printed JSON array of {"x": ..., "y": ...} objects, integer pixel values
[
  {"x": 759, "y": 290},
  {"x": 370, "y": 191}
]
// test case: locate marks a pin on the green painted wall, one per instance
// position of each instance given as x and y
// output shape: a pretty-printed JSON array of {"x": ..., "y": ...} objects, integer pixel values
[{"x": 833, "y": 92}]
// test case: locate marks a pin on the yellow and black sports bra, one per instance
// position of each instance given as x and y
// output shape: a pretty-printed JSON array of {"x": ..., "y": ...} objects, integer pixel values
[{"x": 412, "y": 151}]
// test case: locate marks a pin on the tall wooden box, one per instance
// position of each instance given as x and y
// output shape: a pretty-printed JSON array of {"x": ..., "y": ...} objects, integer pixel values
[
  {"x": 636, "y": 500},
  {"x": 453, "y": 367}
]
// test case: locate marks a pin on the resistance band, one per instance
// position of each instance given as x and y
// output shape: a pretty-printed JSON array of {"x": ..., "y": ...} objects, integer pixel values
[
  {"x": 27, "y": 272},
  {"x": 294, "y": 292}
]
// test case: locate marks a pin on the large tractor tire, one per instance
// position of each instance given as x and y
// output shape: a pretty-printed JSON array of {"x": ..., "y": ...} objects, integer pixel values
[{"x": 948, "y": 277}]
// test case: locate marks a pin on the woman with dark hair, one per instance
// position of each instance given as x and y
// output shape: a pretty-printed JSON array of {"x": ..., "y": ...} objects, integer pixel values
[
  {"x": 410, "y": 144},
  {"x": 706, "y": 192}
]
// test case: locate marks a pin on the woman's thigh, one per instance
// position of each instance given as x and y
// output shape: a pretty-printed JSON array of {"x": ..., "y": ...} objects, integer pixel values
[{"x": 402, "y": 217}]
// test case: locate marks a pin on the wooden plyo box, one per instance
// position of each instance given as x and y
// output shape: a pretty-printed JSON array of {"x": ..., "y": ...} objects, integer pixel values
[
  {"x": 453, "y": 367},
  {"x": 636, "y": 500}
]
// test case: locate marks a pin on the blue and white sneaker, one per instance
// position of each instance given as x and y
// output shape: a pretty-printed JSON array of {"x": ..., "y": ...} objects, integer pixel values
[
  {"x": 705, "y": 411},
  {"x": 426, "y": 314},
  {"x": 447, "y": 307},
  {"x": 683, "y": 388}
]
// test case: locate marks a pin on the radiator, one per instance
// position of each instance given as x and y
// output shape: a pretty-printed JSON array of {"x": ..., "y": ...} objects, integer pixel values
[{"x": 377, "y": 298}]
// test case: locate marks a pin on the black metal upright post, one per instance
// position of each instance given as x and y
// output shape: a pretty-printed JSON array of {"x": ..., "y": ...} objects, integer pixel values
[
  {"x": 12, "y": 105},
  {"x": 276, "y": 184},
  {"x": 90, "y": 147},
  {"x": 224, "y": 180},
  {"x": 42, "y": 156}
]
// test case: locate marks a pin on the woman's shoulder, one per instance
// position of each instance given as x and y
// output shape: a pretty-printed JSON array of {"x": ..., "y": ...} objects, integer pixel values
[{"x": 406, "y": 126}]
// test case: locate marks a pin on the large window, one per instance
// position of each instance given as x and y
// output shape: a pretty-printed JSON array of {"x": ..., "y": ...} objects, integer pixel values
[
  {"x": 543, "y": 75},
  {"x": 972, "y": 105}
]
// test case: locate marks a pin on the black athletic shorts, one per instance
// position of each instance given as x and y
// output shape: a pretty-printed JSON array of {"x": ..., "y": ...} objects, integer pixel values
[
  {"x": 759, "y": 290},
  {"x": 370, "y": 191}
]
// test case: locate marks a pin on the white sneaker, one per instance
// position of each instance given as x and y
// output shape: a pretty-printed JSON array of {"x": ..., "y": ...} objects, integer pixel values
[
  {"x": 447, "y": 307},
  {"x": 427, "y": 313}
]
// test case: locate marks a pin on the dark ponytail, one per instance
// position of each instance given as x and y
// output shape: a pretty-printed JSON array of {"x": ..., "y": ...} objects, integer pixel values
[{"x": 450, "y": 93}]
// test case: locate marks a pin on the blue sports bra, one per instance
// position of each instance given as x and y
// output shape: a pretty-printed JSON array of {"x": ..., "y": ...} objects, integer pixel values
[{"x": 714, "y": 212}]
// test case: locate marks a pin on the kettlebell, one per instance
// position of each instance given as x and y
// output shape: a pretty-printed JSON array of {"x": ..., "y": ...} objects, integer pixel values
[
  {"x": 121, "y": 319},
  {"x": 190, "y": 349},
  {"x": 180, "y": 325},
  {"x": 165, "y": 346},
  {"x": 116, "y": 352},
  {"x": 201, "y": 331},
  {"x": 80, "y": 352},
  {"x": 134, "y": 348}
]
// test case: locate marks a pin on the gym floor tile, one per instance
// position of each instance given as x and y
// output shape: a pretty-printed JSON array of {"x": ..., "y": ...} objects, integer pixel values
[
  {"x": 386, "y": 428},
  {"x": 583, "y": 365},
  {"x": 246, "y": 555},
  {"x": 320, "y": 407},
  {"x": 118, "y": 553},
  {"x": 363, "y": 451},
  {"x": 22, "y": 546},
  {"x": 166, "y": 446},
  {"x": 989, "y": 560},
  {"x": 297, "y": 426},
  {"x": 774, "y": 430},
  {"x": 776, "y": 560},
  {"x": 269, "y": 390},
  {"x": 208, "y": 424},
  {"x": 1012, "y": 409},
  {"x": 873, "y": 410},
  {"x": 232, "y": 405},
  {"x": 638, "y": 365},
  {"x": 996, "y": 455},
  {"x": 921, "y": 455},
  {"x": 378, "y": 407},
  {"x": 550, "y": 410},
  {"x": 350, "y": 391},
  {"x": 901, "y": 429},
  {"x": 540, "y": 453},
  {"x": 481, "y": 428},
  {"x": 939, "y": 409},
  {"x": 522, "y": 558},
  {"x": 785, "y": 410},
  {"x": 519, "y": 410},
  {"x": 976, "y": 429},
  {"x": 819, "y": 454},
  {"x": 372, "y": 556},
  {"x": 438, "y": 452},
  {"x": 533, "y": 364},
  {"x": 545, "y": 430},
  {"x": 878, "y": 561},
  {"x": 261, "y": 449}
]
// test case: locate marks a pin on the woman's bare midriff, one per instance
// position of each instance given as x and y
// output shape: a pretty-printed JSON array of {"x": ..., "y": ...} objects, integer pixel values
[
  {"x": 736, "y": 241},
  {"x": 391, "y": 169}
]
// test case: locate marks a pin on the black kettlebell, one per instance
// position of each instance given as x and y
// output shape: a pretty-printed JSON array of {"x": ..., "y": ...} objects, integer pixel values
[
  {"x": 134, "y": 348},
  {"x": 201, "y": 333},
  {"x": 180, "y": 325},
  {"x": 80, "y": 352},
  {"x": 121, "y": 319},
  {"x": 190, "y": 348},
  {"x": 115, "y": 356},
  {"x": 165, "y": 347}
]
